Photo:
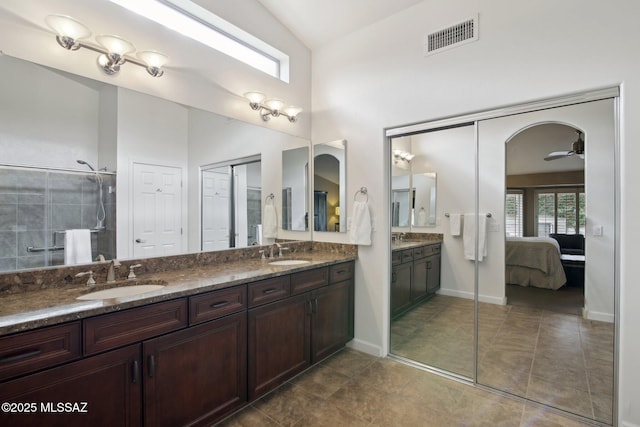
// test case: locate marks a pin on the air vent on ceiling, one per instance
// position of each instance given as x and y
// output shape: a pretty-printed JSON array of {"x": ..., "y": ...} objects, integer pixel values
[{"x": 450, "y": 37}]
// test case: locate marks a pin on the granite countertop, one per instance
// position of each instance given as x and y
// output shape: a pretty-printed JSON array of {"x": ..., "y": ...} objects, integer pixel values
[
  {"x": 30, "y": 310},
  {"x": 408, "y": 244}
]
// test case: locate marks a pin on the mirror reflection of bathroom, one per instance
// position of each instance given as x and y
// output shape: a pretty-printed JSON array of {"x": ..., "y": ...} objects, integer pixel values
[
  {"x": 231, "y": 204},
  {"x": 432, "y": 286},
  {"x": 295, "y": 185},
  {"x": 329, "y": 201}
]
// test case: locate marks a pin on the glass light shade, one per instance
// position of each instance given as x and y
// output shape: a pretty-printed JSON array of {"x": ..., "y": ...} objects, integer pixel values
[
  {"x": 255, "y": 97},
  {"x": 115, "y": 45},
  {"x": 153, "y": 58},
  {"x": 292, "y": 111},
  {"x": 337, "y": 210},
  {"x": 275, "y": 104},
  {"x": 66, "y": 26}
]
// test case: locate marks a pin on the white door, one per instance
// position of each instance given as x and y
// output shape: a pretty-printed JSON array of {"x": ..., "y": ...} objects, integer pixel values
[
  {"x": 157, "y": 210},
  {"x": 215, "y": 209}
]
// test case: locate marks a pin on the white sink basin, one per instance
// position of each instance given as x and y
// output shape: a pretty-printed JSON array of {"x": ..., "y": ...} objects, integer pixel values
[
  {"x": 290, "y": 262},
  {"x": 123, "y": 291}
]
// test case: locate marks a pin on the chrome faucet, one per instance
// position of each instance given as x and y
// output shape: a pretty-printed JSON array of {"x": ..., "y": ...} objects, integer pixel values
[
  {"x": 91, "y": 281},
  {"x": 132, "y": 274},
  {"x": 111, "y": 272}
]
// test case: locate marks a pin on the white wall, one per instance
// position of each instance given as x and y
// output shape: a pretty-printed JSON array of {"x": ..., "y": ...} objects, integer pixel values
[
  {"x": 152, "y": 131},
  {"x": 378, "y": 77}
]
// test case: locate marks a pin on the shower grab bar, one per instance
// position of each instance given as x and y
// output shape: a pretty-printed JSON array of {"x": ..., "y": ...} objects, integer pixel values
[{"x": 52, "y": 248}]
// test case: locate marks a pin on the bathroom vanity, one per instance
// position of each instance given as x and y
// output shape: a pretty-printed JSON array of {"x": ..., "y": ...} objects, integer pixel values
[
  {"x": 204, "y": 346},
  {"x": 415, "y": 274}
]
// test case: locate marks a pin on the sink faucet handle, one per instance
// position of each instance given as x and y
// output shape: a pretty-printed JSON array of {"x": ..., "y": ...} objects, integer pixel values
[
  {"x": 91, "y": 281},
  {"x": 132, "y": 274},
  {"x": 261, "y": 252}
]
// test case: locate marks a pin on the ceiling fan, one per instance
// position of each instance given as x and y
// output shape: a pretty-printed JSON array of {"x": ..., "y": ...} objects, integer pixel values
[{"x": 577, "y": 148}]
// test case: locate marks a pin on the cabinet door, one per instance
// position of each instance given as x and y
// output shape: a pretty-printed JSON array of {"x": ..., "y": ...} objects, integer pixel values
[
  {"x": 103, "y": 390},
  {"x": 419, "y": 280},
  {"x": 433, "y": 273},
  {"x": 197, "y": 375},
  {"x": 401, "y": 288},
  {"x": 279, "y": 343},
  {"x": 332, "y": 320}
]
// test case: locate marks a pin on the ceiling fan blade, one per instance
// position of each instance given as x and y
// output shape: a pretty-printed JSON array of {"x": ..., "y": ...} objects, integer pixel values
[{"x": 558, "y": 155}]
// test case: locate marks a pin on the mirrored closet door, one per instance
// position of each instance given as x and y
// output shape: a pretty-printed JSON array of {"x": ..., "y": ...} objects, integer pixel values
[{"x": 525, "y": 215}]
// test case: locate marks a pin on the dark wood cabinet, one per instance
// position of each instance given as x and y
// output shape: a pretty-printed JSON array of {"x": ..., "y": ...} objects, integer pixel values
[
  {"x": 415, "y": 275},
  {"x": 278, "y": 347},
  {"x": 186, "y": 361},
  {"x": 103, "y": 390},
  {"x": 197, "y": 375},
  {"x": 401, "y": 276},
  {"x": 288, "y": 336}
]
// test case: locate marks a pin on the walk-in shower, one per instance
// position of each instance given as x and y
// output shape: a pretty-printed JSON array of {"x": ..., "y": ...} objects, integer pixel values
[{"x": 97, "y": 178}]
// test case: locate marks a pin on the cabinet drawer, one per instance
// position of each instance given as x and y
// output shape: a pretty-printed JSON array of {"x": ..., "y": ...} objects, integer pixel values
[
  {"x": 30, "y": 351},
  {"x": 137, "y": 324},
  {"x": 396, "y": 257},
  {"x": 310, "y": 279},
  {"x": 407, "y": 255},
  {"x": 269, "y": 290},
  {"x": 216, "y": 304},
  {"x": 340, "y": 272},
  {"x": 421, "y": 252}
]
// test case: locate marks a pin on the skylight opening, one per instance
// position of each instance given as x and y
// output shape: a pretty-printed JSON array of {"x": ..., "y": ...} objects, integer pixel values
[{"x": 203, "y": 26}]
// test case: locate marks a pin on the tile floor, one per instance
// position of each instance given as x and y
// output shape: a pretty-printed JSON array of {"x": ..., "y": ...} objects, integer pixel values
[
  {"x": 355, "y": 389},
  {"x": 549, "y": 357}
]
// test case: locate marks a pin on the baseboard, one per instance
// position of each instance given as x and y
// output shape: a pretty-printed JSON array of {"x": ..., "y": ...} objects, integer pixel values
[
  {"x": 628, "y": 424},
  {"x": 365, "y": 347},
  {"x": 597, "y": 315},
  {"x": 455, "y": 293},
  {"x": 469, "y": 295}
]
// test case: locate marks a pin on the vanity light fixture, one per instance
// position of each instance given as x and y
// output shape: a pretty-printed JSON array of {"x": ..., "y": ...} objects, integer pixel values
[
  {"x": 114, "y": 51},
  {"x": 271, "y": 107},
  {"x": 402, "y": 158}
]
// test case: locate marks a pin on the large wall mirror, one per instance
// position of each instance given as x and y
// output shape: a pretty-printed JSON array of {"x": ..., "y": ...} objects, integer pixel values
[
  {"x": 295, "y": 189},
  {"x": 78, "y": 153},
  {"x": 329, "y": 186},
  {"x": 413, "y": 186},
  {"x": 543, "y": 291}
]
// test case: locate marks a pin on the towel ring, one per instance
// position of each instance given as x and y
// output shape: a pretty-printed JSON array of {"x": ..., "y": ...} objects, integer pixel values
[
  {"x": 270, "y": 197},
  {"x": 362, "y": 190}
]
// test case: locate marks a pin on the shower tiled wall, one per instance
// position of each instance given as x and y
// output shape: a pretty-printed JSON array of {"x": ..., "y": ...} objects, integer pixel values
[{"x": 35, "y": 204}]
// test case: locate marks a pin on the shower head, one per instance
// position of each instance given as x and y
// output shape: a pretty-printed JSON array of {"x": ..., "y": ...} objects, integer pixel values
[{"x": 82, "y": 162}]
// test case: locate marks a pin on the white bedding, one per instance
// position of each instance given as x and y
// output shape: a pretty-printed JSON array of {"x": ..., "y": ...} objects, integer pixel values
[{"x": 534, "y": 261}]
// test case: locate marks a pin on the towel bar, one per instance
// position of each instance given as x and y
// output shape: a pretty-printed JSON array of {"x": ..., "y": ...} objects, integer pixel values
[
  {"x": 488, "y": 215},
  {"x": 362, "y": 190}
]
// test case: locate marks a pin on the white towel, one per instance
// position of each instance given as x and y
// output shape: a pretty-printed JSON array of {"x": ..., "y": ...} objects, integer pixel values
[
  {"x": 270, "y": 222},
  {"x": 469, "y": 236},
  {"x": 454, "y": 224},
  {"x": 77, "y": 247},
  {"x": 360, "y": 231},
  {"x": 422, "y": 218}
]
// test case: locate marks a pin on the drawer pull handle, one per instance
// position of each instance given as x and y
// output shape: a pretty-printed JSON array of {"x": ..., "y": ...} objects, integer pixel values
[
  {"x": 152, "y": 366},
  {"x": 219, "y": 304},
  {"x": 269, "y": 291},
  {"x": 135, "y": 373},
  {"x": 315, "y": 303},
  {"x": 342, "y": 272},
  {"x": 21, "y": 356}
]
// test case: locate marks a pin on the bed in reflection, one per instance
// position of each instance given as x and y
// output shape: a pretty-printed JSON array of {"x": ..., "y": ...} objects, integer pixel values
[{"x": 534, "y": 261}]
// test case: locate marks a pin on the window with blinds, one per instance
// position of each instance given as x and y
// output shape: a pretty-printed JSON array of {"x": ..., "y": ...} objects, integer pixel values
[
  {"x": 560, "y": 211},
  {"x": 514, "y": 213}
]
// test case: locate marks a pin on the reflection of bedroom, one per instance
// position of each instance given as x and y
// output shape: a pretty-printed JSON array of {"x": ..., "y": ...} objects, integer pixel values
[{"x": 545, "y": 220}]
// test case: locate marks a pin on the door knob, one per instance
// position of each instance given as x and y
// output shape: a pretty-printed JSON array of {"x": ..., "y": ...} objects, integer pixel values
[{"x": 140, "y": 241}]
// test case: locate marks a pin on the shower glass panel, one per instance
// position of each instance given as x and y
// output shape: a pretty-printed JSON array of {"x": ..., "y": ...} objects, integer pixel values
[
  {"x": 437, "y": 331},
  {"x": 37, "y": 205}
]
